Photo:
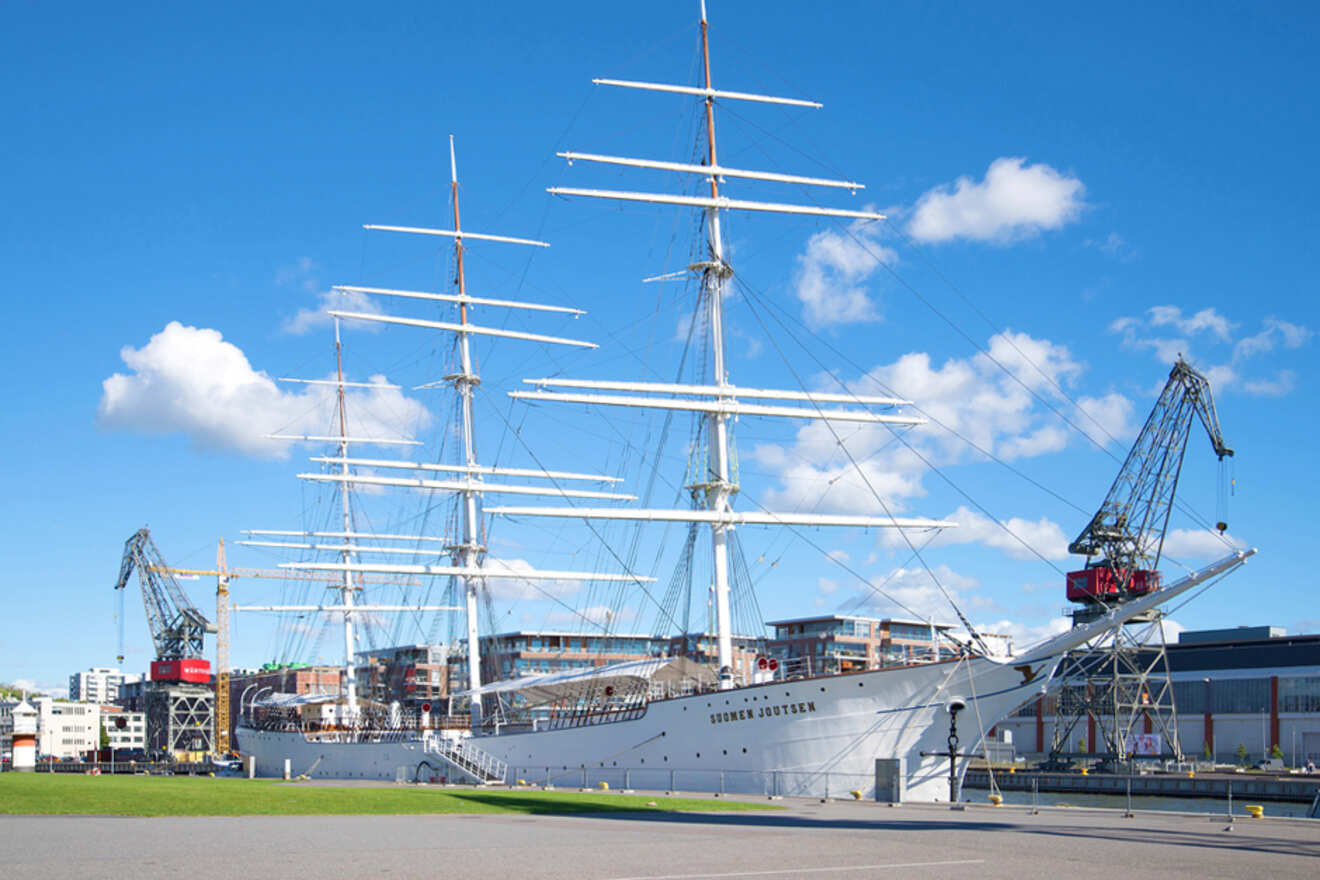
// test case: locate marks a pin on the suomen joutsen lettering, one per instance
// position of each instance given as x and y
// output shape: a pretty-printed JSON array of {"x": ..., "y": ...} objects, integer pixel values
[{"x": 763, "y": 712}]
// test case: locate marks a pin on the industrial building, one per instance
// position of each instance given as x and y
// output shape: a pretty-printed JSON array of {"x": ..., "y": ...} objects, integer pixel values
[{"x": 1243, "y": 690}]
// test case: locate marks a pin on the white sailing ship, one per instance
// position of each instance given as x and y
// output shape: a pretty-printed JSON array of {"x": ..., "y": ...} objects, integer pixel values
[{"x": 662, "y": 723}]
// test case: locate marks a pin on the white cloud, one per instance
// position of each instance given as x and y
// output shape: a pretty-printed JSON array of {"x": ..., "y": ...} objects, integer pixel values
[
  {"x": 1025, "y": 635},
  {"x": 831, "y": 275},
  {"x": 907, "y": 592},
  {"x": 188, "y": 380},
  {"x": 1274, "y": 333},
  {"x": 1110, "y": 416},
  {"x": 1283, "y": 382},
  {"x": 1187, "y": 545},
  {"x": 1215, "y": 329},
  {"x": 1204, "y": 321},
  {"x": 526, "y": 585},
  {"x": 1014, "y": 201},
  {"x": 1042, "y": 535},
  {"x": 973, "y": 398},
  {"x": 306, "y": 320},
  {"x": 302, "y": 276},
  {"x": 1113, "y": 245},
  {"x": 32, "y": 687}
]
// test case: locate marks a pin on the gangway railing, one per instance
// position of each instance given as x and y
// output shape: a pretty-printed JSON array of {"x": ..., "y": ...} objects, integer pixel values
[{"x": 463, "y": 755}]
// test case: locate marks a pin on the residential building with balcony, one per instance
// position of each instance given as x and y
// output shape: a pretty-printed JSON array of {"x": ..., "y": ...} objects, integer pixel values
[
  {"x": 96, "y": 685},
  {"x": 843, "y": 643}
]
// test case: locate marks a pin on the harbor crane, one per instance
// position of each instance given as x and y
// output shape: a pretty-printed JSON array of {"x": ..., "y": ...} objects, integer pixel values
[
  {"x": 1127, "y": 677},
  {"x": 223, "y": 574},
  {"x": 1125, "y": 538},
  {"x": 177, "y": 627}
]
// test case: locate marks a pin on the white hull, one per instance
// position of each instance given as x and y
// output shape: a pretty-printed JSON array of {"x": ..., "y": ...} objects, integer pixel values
[{"x": 807, "y": 737}]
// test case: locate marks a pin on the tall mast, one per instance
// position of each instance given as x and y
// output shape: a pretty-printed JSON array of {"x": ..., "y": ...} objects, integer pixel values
[
  {"x": 347, "y": 588},
  {"x": 470, "y": 549},
  {"x": 471, "y": 563},
  {"x": 719, "y": 488},
  {"x": 719, "y": 400}
]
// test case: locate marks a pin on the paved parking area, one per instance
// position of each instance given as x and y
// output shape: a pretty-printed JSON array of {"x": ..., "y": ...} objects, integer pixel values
[{"x": 807, "y": 839}]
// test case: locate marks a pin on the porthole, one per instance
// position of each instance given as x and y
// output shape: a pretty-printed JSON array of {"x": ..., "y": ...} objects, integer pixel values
[
  {"x": 726, "y": 751},
  {"x": 822, "y": 690},
  {"x": 861, "y": 684},
  {"x": 698, "y": 754},
  {"x": 666, "y": 757},
  {"x": 744, "y": 750}
]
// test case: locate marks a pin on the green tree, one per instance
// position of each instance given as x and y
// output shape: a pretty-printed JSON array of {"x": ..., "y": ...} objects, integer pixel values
[
  {"x": 105, "y": 737},
  {"x": 1207, "y": 751},
  {"x": 1275, "y": 751},
  {"x": 1241, "y": 753}
]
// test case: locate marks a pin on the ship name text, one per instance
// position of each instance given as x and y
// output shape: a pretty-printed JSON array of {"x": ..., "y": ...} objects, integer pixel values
[{"x": 762, "y": 712}]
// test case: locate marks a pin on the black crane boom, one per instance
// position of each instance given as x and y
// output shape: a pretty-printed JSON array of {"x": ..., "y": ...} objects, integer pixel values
[
  {"x": 177, "y": 627},
  {"x": 1126, "y": 535}
]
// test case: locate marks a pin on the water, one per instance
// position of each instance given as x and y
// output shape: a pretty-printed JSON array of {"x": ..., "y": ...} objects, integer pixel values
[{"x": 1209, "y": 806}]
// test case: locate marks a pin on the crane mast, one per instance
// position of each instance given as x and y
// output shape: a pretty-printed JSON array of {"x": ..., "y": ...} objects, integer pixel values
[
  {"x": 1125, "y": 681},
  {"x": 177, "y": 627},
  {"x": 1125, "y": 538},
  {"x": 177, "y": 700}
]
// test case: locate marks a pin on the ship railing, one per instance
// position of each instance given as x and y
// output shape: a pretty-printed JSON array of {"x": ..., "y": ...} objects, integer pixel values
[
  {"x": 594, "y": 717},
  {"x": 795, "y": 667}
]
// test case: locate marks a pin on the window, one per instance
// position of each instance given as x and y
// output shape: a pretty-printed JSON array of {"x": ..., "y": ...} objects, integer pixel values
[
  {"x": 1189, "y": 696},
  {"x": 909, "y": 631},
  {"x": 1299, "y": 694},
  {"x": 1240, "y": 696}
]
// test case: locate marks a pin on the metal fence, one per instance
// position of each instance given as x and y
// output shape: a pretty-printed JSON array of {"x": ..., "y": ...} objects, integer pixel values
[{"x": 771, "y": 783}]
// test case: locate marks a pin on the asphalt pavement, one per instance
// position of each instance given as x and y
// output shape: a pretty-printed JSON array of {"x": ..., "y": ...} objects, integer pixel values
[{"x": 806, "y": 839}]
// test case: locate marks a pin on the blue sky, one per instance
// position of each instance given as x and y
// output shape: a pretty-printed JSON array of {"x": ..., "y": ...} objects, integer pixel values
[{"x": 1108, "y": 186}]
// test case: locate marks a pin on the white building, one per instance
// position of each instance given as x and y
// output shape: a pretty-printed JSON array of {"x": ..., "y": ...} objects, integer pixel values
[
  {"x": 67, "y": 730},
  {"x": 97, "y": 685},
  {"x": 125, "y": 730}
]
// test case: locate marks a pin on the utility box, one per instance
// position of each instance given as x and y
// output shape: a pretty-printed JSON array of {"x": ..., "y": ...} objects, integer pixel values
[{"x": 890, "y": 780}]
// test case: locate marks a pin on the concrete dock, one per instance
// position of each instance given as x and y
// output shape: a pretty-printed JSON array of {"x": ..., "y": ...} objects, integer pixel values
[
  {"x": 806, "y": 839},
  {"x": 1245, "y": 787}
]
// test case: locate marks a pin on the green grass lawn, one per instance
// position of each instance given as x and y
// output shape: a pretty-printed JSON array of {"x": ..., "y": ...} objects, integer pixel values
[{"x": 36, "y": 793}]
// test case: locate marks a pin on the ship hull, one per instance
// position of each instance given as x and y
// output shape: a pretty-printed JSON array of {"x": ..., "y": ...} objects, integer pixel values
[{"x": 805, "y": 737}]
